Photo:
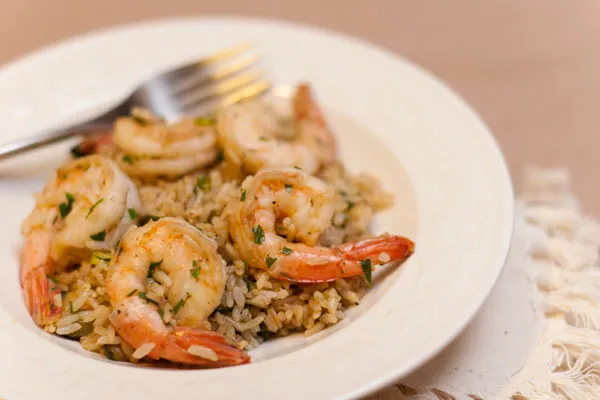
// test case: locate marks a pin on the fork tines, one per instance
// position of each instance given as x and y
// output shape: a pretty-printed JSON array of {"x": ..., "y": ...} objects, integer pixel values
[{"x": 217, "y": 81}]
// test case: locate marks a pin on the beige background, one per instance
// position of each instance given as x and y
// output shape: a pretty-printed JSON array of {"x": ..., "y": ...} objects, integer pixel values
[{"x": 530, "y": 68}]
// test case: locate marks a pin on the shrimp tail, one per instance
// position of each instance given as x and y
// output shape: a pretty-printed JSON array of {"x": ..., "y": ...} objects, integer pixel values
[
  {"x": 344, "y": 261},
  {"x": 35, "y": 266},
  {"x": 218, "y": 353},
  {"x": 396, "y": 247},
  {"x": 92, "y": 145}
]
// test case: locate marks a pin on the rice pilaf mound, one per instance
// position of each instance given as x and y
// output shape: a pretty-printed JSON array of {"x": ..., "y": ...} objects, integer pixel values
[{"x": 255, "y": 306}]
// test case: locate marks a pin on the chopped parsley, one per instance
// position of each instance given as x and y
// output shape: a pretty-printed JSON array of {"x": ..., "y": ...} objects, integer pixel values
[
  {"x": 117, "y": 244},
  {"x": 52, "y": 278},
  {"x": 132, "y": 213},
  {"x": 248, "y": 284},
  {"x": 180, "y": 303},
  {"x": 287, "y": 251},
  {"x": 98, "y": 237},
  {"x": 99, "y": 256},
  {"x": 143, "y": 296},
  {"x": 153, "y": 266},
  {"x": 270, "y": 260},
  {"x": 259, "y": 234},
  {"x": 127, "y": 159},
  {"x": 131, "y": 293},
  {"x": 139, "y": 120},
  {"x": 297, "y": 167},
  {"x": 71, "y": 307},
  {"x": 243, "y": 196},
  {"x": 161, "y": 312},
  {"x": 65, "y": 208},
  {"x": 109, "y": 353},
  {"x": 93, "y": 207},
  {"x": 262, "y": 139},
  {"x": 147, "y": 218},
  {"x": 204, "y": 183},
  {"x": 366, "y": 267},
  {"x": 203, "y": 121},
  {"x": 195, "y": 272},
  {"x": 288, "y": 188}
]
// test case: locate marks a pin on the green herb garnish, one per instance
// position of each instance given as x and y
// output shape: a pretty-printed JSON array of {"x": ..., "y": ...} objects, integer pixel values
[
  {"x": 259, "y": 234},
  {"x": 289, "y": 188},
  {"x": 270, "y": 260},
  {"x": 93, "y": 207},
  {"x": 71, "y": 307},
  {"x": 195, "y": 272},
  {"x": 99, "y": 256},
  {"x": 248, "y": 284},
  {"x": 243, "y": 196},
  {"x": 204, "y": 183},
  {"x": 297, "y": 167},
  {"x": 153, "y": 266},
  {"x": 131, "y": 293},
  {"x": 147, "y": 218},
  {"x": 98, "y": 237},
  {"x": 139, "y": 120},
  {"x": 203, "y": 121},
  {"x": 143, "y": 296},
  {"x": 366, "y": 267},
  {"x": 52, "y": 278},
  {"x": 161, "y": 312},
  {"x": 65, "y": 208},
  {"x": 287, "y": 251},
  {"x": 128, "y": 159},
  {"x": 132, "y": 214},
  {"x": 109, "y": 353},
  {"x": 262, "y": 139},
  {"x": 180, "y": 303}
]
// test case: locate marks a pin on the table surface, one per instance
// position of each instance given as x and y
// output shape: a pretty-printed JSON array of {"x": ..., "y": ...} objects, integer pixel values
[{"x": 530, "y": 68}]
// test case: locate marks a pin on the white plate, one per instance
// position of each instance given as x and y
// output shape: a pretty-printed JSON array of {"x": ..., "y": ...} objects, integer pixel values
[{"x": 452, "y": 188}]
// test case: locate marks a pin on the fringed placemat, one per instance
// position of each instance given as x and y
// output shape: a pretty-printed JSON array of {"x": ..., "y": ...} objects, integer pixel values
[{"x": 538, "y": 334}]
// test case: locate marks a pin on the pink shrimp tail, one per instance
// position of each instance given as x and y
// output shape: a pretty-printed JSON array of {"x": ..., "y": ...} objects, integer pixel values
[
  {"x": 39, "y": 299},
  {"x": 396, "y": 247},
  {"x": 180, "y": 340},
  {"x": 93, "y": 144},
  {"x": 137, "y": 324},
  {"x": 342, "y": 262}
]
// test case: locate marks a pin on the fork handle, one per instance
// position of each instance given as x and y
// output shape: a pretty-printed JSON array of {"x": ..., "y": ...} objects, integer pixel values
[{"x": 43, "y": 139}]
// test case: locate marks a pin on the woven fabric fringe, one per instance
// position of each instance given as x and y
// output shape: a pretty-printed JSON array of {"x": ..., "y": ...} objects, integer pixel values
[{"x": 565, "y": 269}]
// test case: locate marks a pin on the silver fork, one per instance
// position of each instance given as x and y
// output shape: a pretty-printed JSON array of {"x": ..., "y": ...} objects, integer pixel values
[{"x": 195, "y": 89}]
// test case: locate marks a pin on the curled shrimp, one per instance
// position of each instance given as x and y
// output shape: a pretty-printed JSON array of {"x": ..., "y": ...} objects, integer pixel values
[
  {"x": 253, "y": 135},
  {"x": 279, "y": 201},
  {"x": 87, "y": 205},
  {"x": 149, "y": 147},
  {"x": 187, "y": 262}
]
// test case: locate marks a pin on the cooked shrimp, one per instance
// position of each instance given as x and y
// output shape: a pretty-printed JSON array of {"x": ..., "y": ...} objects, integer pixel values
[
  {"x": 272, "y": 203},
  {"x": 152, "y": 148},
  {"x": 173, "y": 247},
  {"x": 254, "y": 135},
  {"x": 86, "y": 205}
]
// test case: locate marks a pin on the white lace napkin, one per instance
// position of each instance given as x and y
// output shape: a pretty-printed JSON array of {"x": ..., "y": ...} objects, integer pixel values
[{"x": 538, "y": 334}]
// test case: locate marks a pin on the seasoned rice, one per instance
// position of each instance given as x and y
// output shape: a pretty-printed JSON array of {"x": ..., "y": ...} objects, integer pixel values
[{"x": 254, "y": 307}]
